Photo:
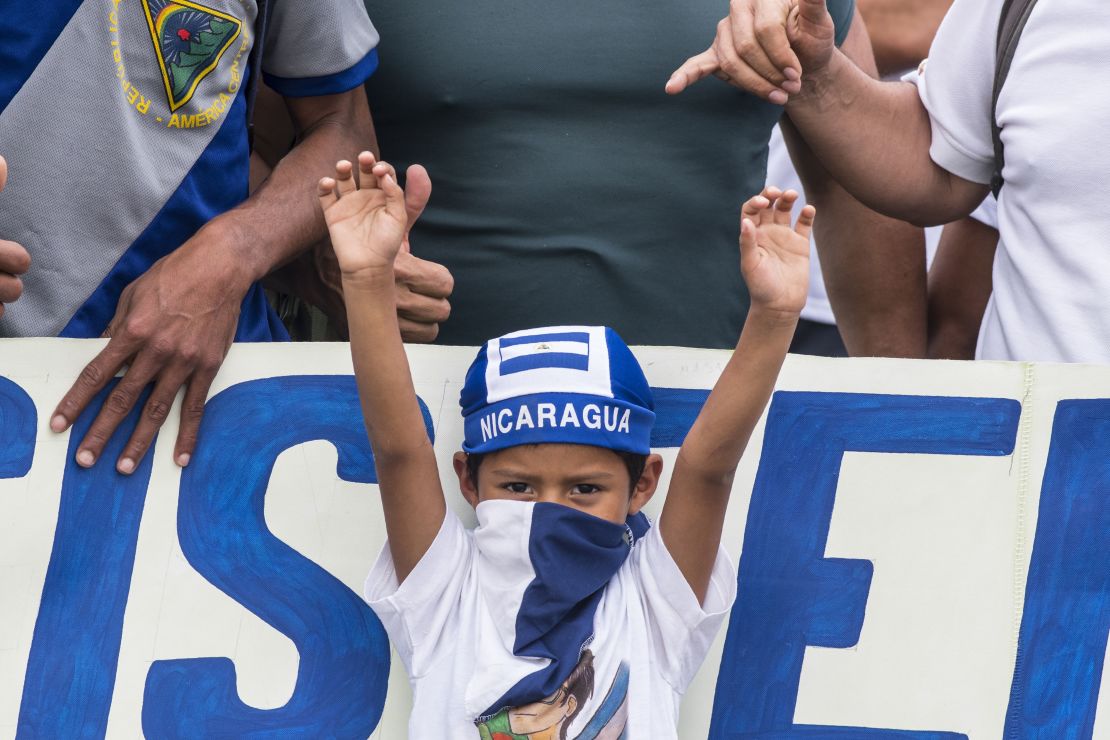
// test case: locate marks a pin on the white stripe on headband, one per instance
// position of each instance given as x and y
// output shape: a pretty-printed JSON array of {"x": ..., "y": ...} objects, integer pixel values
[{"x": 564, "y": 347}]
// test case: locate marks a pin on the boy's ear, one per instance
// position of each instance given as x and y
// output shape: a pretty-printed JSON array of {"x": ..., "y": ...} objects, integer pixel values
[
  {"x": 645, "y": 487},
  {"x": 468, "y": 487}
]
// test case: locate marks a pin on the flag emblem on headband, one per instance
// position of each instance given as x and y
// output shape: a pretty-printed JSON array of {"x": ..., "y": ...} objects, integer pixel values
[
  {"x": 570, "y": 384},
  {"x": 569, "y": 350}
]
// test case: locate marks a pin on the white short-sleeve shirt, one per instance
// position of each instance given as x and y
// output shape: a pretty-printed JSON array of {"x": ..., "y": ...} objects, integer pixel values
[
  {"x": 1051, "y": 277},
  {"x": 650, "y": 637}
]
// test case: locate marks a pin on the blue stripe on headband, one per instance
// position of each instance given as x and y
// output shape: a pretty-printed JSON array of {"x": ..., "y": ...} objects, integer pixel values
[
  {"x": 567, "y": 336},
  {"x": 543, "y": 360}
]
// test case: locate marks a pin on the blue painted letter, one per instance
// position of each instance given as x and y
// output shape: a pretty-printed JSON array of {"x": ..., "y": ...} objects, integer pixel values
[
  {"x": 790, "y": 595},
  {"x": 344, "y": 652},
  {"x": 17, "y": 430},
  {"x": 71, "y": 671},
  {"x": 1067, "y": 597}
]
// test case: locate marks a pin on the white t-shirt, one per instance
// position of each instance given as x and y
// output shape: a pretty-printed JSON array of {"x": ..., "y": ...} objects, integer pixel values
[
  {"x": 650, "y": 637},
  {"x": 1051, "y": 277}
]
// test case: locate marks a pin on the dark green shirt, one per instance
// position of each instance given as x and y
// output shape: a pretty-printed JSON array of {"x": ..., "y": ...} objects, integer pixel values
[{"x": 568, "y": 187}]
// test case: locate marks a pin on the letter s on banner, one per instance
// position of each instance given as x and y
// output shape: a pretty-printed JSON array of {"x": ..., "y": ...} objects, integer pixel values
[
  {"x": 788, "y": 525},
  {"x": 344, "y": 652}
]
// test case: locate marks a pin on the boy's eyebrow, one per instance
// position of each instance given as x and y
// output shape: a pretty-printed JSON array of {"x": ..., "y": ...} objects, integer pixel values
[{"x": 513, "y": 473}]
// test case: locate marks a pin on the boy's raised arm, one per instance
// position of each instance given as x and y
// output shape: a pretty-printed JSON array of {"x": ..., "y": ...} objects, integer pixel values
[
  {"x": 367, "y": 226},
  {"x": 775, "y": 263}
]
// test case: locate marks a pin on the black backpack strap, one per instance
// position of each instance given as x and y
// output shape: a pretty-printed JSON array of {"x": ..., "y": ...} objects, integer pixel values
[
  {"x": 261, "y": 26},
  {"x": 1015, "y": 13}
]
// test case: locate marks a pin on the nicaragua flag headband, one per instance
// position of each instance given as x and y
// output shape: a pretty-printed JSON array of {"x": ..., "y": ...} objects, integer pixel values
[{"x": 568, "y": 384}]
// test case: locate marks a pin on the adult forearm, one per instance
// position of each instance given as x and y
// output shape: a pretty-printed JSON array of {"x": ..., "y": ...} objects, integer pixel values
[
  {"x": 281, "y": 219},
  {"x": 873, "y": 137},
  {"x": 874, "y": 271}
]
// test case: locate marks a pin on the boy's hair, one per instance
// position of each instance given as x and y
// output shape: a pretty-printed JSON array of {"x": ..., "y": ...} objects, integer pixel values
[{"x": 634, "y": 462}]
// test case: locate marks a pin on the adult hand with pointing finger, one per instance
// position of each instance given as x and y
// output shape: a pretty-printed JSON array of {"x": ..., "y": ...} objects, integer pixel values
[
  {"x": 764, "y": 47},
  {"x": 14, "y": 259}
]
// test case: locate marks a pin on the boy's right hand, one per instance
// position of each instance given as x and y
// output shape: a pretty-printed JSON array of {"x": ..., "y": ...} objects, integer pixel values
[
  {"x": 774, "y": 257},
  {"x": 14, "y": 260},
  {"x": 367, "y": 221}
]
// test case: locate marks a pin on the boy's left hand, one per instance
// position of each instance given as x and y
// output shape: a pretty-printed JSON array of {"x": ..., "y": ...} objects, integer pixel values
[{"x": 774, "y": 257}]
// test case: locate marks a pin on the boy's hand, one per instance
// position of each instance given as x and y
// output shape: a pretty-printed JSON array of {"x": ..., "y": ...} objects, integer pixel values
[
  {"x": 774, "y": 257},
  {"x": 367, "y": 221}
]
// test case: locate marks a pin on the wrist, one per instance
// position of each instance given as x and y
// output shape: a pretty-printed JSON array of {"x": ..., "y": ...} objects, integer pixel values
[
  {"x": 217, "y": 248},
  {"x": 817, "y": 84},
  {"x": 772, "y": 319},
  {"x": 369, "y": 279}
]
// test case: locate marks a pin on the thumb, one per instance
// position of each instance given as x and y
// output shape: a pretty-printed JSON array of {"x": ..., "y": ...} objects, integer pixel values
[
  {"x": 812, "y": 11},
  {"x": 418, "y": 190}
]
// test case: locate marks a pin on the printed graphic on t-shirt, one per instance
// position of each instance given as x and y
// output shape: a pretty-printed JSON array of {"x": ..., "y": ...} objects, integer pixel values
[{"x": 551, "y": 717}]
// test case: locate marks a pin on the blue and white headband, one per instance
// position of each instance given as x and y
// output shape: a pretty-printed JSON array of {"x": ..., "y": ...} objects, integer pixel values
[{"x": 568, "y": 384}]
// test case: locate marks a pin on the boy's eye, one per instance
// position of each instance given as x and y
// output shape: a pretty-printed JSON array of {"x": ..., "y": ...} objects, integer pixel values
[
  {"x": 586, "y": 488},
  {"x": 516, "y": 487}
]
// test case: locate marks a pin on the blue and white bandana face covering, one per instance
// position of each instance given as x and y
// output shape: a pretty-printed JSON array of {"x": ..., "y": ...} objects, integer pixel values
[{"x": 542, "y": 569}]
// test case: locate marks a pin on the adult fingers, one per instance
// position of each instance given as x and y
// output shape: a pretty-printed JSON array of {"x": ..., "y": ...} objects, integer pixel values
[
  {"x": 418, "y": 190},
  {"x": 740, "y": 71},
  {"x": 3, "y": 172},
  {"x": 767, "y": 46},
  {"x": 192, "y": 412},
  {"x": 155, "y": 412},
  {"x": 14, "y": 259},
  {"x": 92, "y": 379},
  {"x": 117, "y": 405},
  {"x": 11, "y": 288},
  {"x": 418, "y": 332},
  {"x": 697, "y": 67},
  {"x": 345, "y": 178},
  {"x": 423, "y": 277}
]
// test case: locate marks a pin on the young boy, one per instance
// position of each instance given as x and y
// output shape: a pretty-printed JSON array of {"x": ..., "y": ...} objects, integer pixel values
[{"x": 564, "y": 614}]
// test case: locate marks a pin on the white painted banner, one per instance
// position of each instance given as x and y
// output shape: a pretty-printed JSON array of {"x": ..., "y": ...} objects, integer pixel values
[{"x": 923, "y": 549}]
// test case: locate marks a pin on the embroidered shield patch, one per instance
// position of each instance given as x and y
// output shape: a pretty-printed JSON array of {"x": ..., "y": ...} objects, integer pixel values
[{"x": 189, "y": 40}]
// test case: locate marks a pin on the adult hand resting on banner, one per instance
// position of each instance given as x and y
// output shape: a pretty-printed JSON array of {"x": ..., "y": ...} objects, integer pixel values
[
  {"x": 764, "y": 47},
  {"x": 14, "y": 260},
  {"x": 422, "y": 286},
  {"x": 174, "y": 324}
]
